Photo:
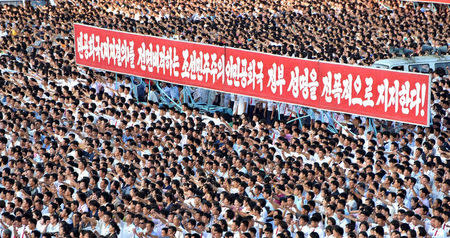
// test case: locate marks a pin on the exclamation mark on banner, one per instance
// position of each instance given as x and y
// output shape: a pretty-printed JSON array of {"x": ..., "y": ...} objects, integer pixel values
[{"x": 424, "y": 90}]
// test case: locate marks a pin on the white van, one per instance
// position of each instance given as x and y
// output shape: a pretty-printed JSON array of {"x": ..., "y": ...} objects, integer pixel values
[{"x": 421, "y": 64}]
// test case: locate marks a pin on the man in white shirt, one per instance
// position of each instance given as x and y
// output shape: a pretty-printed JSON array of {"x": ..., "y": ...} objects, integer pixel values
[
  {"x": 175, "y": 93},
  {"x": 314, "y": 227},
  {"x": 201, "y": 95},
  {"x": 225, "y": 99},
  {"x": 53, "y": 227},
  {"x": 240, "y": 106},
  {"x": 3, "y": 31},
  {"x": 102, "y": 227},
  {"x": 127, "y": 227},
  {"x": 437, "y": 231},
  {"x": 152, "y": 95}
]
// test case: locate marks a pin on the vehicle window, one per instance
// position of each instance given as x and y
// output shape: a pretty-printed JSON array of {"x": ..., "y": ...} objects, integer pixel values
[
  {"x": 443, "y": 65},
  {"x": 399, "y": 67},
  {"x": 420, "y": 68},
  {"x": 381, "y": 66}
]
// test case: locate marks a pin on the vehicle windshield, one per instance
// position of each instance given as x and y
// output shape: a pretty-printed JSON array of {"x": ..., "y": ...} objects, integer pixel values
[
  {"x": 398, "y": 67},
  {"x": 421, "y": 68},
  {"x": 444, "y": 65},
  {"x": 381, "y": 66}
]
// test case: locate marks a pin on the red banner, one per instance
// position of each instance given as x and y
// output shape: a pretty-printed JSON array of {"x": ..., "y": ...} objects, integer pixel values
[{"x": 377, "y": 93}]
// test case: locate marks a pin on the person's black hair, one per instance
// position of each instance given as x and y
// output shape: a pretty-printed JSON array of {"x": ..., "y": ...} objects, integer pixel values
[
  {"x": 115, "y": 227},
  {"x": 299, "y": 234},
  {"x": 314, "y": 235},
  {"x": 379, "y": 230},
  {"x": 7, "y": 233},
  {"x": 363, "y": 233},
  {"x": 338, "y": 229},
  {"x": 228, "y": 234},
  {"x": 422, "y": 232},
  {"x": 82, "y": 196}
]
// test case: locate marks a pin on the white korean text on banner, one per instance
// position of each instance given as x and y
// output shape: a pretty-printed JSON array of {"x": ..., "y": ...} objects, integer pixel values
[{"x": 377, "y": 93}]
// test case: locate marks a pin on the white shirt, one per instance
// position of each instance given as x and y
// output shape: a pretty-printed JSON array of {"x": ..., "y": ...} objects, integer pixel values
[
  {"x": 240, "y": 106},
  {"x": 126, "y": 231},
  {"x": 318, "y": 230},
  {"x": 83, "y": 174},
  {"x": 179, "y": 234},
  {"x": 102, "y": 228},
  {"x": 40, "y": 226},
  {"x": 152, "y": 97},
  {"x": 83, "y": 208},
  {"x": 190, "y": 202},
  {"x": 53, "y": 228},
  {"x": 22, "y": 230},
  {"x": 437, "y": 233},
  {"x": 252, "y": 101}
]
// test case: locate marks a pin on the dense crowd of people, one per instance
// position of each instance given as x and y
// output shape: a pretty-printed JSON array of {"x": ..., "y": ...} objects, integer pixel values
[{"x": 80, "y": 157}]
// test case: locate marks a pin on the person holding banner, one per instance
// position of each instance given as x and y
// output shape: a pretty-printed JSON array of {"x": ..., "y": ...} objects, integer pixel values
[{"x": 240, "y": 105}]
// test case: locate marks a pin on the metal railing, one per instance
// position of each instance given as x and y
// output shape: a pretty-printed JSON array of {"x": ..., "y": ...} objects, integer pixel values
[{"x": 165, "y": 99}]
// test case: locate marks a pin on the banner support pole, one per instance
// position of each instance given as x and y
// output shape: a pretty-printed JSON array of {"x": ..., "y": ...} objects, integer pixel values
[
  {"x": 116, "y": 86},
  {"x": 167, "y": 96},
  {"x": 331, "y": 124},
  {"x": 298, "y": 118},
  {"x": 278, "y": 110},
  {"x": 372, "y": 125}
]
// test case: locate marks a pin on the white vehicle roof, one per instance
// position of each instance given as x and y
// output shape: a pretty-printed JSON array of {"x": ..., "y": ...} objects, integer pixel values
[{"x": 413, "y": 60}]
